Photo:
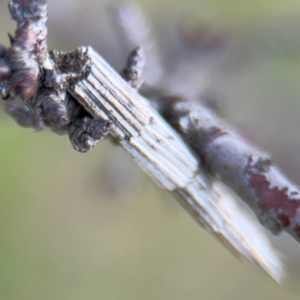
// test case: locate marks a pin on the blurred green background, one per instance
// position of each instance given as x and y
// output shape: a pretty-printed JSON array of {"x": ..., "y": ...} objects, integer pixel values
[{"x": 93, "y": 226}]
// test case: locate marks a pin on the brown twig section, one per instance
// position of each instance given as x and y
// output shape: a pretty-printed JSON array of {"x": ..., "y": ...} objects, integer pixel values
[
  {"x": 34, "y": 82},
  {"x": 104, "y": 98},
  {"x": 229, "y": 158},
  {"x": 19, "y": 65}
]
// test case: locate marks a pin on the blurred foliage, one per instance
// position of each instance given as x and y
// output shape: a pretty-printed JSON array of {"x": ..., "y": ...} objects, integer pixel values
[{"x": 93, "y": 226}]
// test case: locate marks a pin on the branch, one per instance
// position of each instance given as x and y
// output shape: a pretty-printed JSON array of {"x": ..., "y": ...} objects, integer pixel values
[
  {"x": 158, "y": 150},
  {"x": 249, "y": 172},
  {"x": 106, "y": 101}
]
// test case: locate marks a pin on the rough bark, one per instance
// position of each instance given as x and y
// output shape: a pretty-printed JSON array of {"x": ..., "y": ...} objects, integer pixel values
[{"x": 80, "y": 94}]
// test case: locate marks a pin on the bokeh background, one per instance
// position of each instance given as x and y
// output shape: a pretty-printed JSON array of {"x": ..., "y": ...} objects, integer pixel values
[{"x": 93, "y": 226}]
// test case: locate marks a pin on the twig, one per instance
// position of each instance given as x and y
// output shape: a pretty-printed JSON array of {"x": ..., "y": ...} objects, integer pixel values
[
  {"x": 107, "y": 99},
  {"x": 163, "y": 154},
  {"x": 35, "y": 89},
  {"x": 248, "y": 171}
]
